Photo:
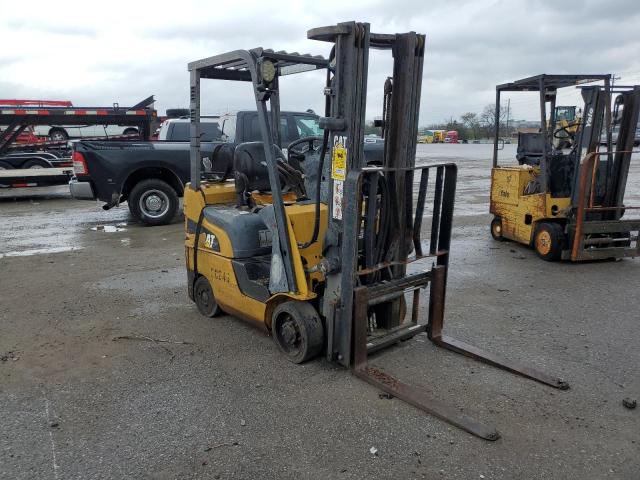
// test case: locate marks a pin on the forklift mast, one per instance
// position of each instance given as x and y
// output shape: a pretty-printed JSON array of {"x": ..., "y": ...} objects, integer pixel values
[
  {"x": 614, "y": 159},
  {"x": 352, "y": 42}
]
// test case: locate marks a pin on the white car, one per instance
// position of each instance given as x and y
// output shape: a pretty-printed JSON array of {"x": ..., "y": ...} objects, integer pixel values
[
  {"x": 177, "y": 129},
  {"x": 65, "y": 132}
]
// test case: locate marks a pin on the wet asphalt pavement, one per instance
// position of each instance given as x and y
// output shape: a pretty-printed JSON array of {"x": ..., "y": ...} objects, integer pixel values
[{"x": 78, "y": 402}]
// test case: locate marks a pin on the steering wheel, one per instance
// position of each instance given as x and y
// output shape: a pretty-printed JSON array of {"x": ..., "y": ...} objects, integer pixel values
[
  {"x": 564, "y": 129},
  {"x": 310, "y": 141}
]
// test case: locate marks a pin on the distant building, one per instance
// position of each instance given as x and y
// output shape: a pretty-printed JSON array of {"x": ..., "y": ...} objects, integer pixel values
[
  {"x": 526, "y": 130},
  {"x": 524, "y": 124}
]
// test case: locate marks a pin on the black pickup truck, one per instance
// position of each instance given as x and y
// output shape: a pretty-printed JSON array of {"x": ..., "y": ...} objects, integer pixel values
[{"x": 150, "y": 176}]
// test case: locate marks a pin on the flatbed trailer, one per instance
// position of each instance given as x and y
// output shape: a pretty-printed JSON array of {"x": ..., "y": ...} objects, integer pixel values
[
  {"x": 34, "y": 177},
  {"x": 19, "y": 115}
]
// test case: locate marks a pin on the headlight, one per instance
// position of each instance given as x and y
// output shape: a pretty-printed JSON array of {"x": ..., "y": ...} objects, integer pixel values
[{"x": 268, "y": 71}]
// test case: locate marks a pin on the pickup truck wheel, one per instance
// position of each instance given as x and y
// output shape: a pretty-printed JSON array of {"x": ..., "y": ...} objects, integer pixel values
[{"x": 153, "y": 201}]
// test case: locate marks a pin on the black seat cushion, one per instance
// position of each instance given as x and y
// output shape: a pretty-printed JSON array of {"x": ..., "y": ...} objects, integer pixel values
[
  {"x": 220, "y": 165},
  {"x": 530, "y": 148},
  {"x": 250, "y": 165}
]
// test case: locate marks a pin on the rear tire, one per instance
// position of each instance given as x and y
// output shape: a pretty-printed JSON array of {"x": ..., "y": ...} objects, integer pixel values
[
  {"x": 496, "y": 229},
  {"x": 5, "y": 165},
  {"x": 548, "y": 240},
  {"x": 298, "y": 330},
  {"x": 153, "y": 202},
  {"x": 204, "y": 298}
]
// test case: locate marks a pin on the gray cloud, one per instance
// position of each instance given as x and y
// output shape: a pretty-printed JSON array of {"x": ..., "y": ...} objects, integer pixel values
[{"x": 471, "y": 47}]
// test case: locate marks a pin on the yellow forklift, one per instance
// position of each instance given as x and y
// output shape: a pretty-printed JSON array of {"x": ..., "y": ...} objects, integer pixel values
[
  {"x": 567, "y": 121},
  {"x": 567, "y": 200},
  {"x": 313, "y": 245}
]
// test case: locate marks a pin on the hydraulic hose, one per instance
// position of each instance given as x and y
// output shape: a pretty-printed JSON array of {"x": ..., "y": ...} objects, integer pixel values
[
  {"x": 316, "y": 222},
  {"x": 323, "y": 152}
]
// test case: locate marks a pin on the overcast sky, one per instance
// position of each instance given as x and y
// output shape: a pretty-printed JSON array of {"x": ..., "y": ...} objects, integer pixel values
[{"x": 97, "y": 53}]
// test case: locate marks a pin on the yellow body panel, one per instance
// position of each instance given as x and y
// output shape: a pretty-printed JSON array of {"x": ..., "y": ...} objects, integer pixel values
[
  {"x": 217, "y": 193},
  {"x": 267, "y": 199},
  {"x": 519, "y": 212},
  {"x": 301, "y": 219},
  {"x": 217, "y": 266},
  {"x": 220, "y": 274}
]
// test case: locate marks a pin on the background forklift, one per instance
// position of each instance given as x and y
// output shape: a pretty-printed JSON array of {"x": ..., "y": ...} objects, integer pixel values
[
  {"x": 568, "y": 202},
  {"x": 567, "y": 121},
  {"x": 315, "y": 246}
]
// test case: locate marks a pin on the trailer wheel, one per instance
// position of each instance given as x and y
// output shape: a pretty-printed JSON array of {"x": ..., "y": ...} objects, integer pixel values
[
  {"x": 131, "y": 131},
  {"x": 5, "y": 165},
  {"x": 35, "y": 164},
  {"x": 153, "y": 201},
  {"x": 204, "y": 298},
  {"x": 58, "y": 135},
  {"x": 548, "y": 240},
  {"x": 496, "y": 229},
  {"x": 298, "y": 330}
]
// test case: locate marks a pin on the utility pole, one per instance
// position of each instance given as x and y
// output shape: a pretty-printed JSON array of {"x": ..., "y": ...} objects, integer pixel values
[
  {"x": 508, "y": 112},
  {"x": 613, "y": 79}
]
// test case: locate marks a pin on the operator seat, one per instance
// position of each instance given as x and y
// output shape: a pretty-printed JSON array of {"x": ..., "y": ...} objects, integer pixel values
[
  {"x": 530, "y": 148},
  {"x": 219, "y": 165},
  {"x": 251, "y": 173}
]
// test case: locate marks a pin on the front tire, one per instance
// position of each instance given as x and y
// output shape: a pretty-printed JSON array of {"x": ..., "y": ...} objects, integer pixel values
[
  {"x": 205, "y": 299},
  {"x": 297, "y": 330},
  {"x": 548, "y": 240},
  {"x": 5, "y": 165},
  {"x": 153, "y": 201},
  {"x": 496, "y": 229}
]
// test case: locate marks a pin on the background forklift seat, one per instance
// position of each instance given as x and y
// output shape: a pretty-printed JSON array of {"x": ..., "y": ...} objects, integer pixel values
[{"x": 530, "y": 148}]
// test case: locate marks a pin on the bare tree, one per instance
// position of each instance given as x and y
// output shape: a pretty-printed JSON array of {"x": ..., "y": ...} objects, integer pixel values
[
  {"x": 471, "y": 123},
  {"x": 487, "y": 119}
]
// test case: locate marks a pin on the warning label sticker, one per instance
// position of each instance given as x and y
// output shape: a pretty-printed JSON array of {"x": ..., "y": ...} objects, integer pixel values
[
  {"x": 338, "y": 195},
  {"x": 339, "y": 159}
]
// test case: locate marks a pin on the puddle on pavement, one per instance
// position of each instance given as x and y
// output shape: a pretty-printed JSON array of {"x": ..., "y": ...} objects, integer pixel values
[
  {"x": 38, "y": 251},
  {"x": 118, "y": 227}
]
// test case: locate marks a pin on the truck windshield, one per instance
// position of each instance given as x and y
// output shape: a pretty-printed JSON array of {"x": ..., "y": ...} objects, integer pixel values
[{"x": 307, "y": 126}]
